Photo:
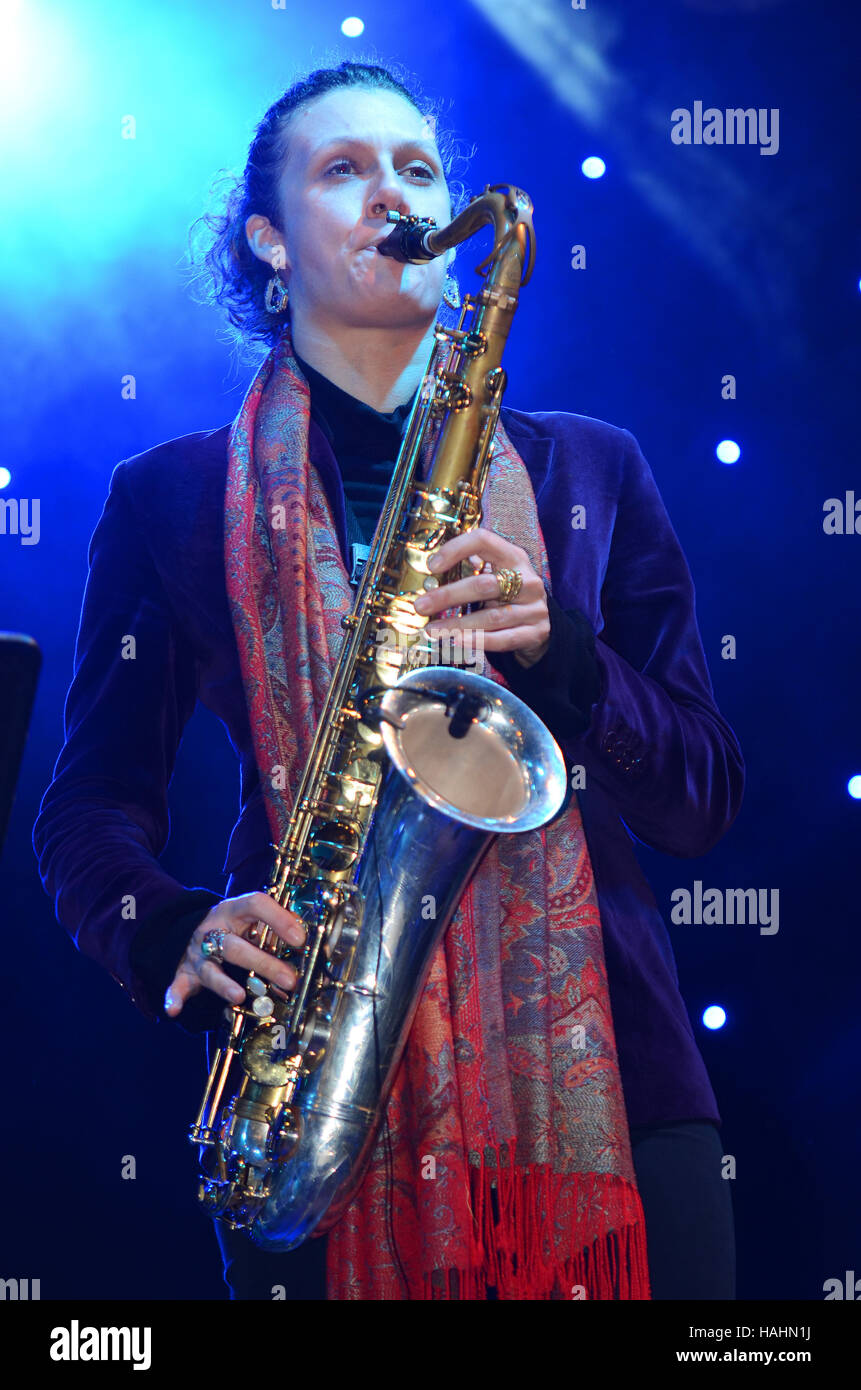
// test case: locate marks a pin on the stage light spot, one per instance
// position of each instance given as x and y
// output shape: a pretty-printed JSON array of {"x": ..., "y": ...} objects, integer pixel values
[
  {"x": 352, "y": 27},
  {"x": 5, "y": 477},
  {"x": 728, "y": 451},
  {"x": 593, "y": 167},
  {"x": 714, "y": 1016},
  {"x": 853, "y": 786}
]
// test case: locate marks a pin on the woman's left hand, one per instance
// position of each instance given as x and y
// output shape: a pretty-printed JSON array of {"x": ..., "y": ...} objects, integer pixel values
[{"x": 522, "y": 626}]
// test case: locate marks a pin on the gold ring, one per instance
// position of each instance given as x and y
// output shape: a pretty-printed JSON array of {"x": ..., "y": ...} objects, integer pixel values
[{"x": 510, "y": 583}]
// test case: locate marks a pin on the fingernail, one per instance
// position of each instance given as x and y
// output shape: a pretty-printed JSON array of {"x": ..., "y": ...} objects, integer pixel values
[
  {"x": 434, "y": 563},
  {"x": 169, "y": 1000},
  {"x": 421, "y": 604}
]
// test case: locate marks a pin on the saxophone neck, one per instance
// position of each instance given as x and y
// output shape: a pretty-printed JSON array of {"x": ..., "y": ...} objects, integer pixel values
[{"x": 508, "y": 208}]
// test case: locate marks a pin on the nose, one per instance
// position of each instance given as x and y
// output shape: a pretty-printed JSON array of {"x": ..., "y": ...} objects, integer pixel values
[{"x": 388, "y": 195}]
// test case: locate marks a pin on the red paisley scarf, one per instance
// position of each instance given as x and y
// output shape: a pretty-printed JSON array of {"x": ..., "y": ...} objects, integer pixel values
[{"x": 504, "y": 1162}]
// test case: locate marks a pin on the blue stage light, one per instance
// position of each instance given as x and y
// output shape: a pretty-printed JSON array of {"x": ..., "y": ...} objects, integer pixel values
[
  {"x": 593, "y": 167},
  {"x": 5, "y": 477},
  {"x": 853, "y": 786},
  {"x": 714, "y": 1016},
  {"x": 728, "y": 451},
  {"x": 352, "y": 27}
]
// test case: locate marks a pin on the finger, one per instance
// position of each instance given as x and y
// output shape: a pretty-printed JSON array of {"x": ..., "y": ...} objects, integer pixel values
[
  {"x": 484, "y": 545},
  {"x": 240, "y": 952},
  {"x": 174, "y": 1001},
  {"x": 214, "y": 978},
  {"x": 477, "y": 588},
  {"x": 515, "y": 639},
  {"x": 498, "y": 617},
  {"x": 182, "y": 987},
  {"x": 249, "y": 908}
]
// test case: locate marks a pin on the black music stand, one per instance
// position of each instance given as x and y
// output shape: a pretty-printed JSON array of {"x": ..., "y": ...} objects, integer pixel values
[{"x": 20, "y": 663}]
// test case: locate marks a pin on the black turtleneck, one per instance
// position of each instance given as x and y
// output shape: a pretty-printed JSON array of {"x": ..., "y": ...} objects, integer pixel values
[{"x": 365, "y": 443}]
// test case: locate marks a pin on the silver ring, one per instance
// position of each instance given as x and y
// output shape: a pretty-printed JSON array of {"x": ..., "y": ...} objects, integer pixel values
[{"x": 212, "y": 945}]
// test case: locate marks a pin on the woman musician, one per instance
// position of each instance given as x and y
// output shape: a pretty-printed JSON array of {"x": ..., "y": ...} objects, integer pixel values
[{"x": 514, "y": 1162}]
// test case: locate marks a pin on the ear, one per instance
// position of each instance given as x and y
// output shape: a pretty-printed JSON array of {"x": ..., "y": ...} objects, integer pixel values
[{"x": 267, "y": 242}]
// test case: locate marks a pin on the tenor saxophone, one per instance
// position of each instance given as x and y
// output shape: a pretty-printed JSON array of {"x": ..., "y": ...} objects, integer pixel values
[{"x": 414, "y": 769}]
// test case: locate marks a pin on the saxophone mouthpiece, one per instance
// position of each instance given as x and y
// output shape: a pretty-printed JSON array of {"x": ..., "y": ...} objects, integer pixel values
[{"x": 408, "y": 242}]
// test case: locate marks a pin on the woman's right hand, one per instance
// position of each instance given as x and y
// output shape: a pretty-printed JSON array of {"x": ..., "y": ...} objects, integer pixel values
[{"x": 235, "y": 916}]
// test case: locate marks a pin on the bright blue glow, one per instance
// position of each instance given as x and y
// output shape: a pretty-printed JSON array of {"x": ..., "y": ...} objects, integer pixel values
[
  {"x": 728, "y": 451},
  {"x": 352, "y": 27},
  {"x": 108, "y": 131},
  {"x": 593, "y": 167},
  {"x": 5, "y": 477},
  {"x": 853, "y": 786},
  {"x": 714, "y": 1016}
]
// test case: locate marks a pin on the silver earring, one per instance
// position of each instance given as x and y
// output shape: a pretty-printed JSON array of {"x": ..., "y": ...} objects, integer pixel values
[
  {"x": 275, "y": 288},
  {"x": 451, "y": 291}
]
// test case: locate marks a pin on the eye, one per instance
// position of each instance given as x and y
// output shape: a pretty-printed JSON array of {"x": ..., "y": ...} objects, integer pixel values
[{"x": 420, "y": 170}]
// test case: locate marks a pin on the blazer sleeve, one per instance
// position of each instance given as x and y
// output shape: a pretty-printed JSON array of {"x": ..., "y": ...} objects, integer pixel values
[
  {"x": 633, "y": 704},
  {"x": 562, "y": 686},
  {"x": 104, "y": 819}
]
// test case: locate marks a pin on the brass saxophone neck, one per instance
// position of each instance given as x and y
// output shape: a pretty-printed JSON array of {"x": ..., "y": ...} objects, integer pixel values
[{"x": 416, "y": 240}]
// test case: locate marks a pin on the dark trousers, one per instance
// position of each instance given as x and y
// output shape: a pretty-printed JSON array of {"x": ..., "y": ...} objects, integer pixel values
[{"x": 686, "y": 1202}]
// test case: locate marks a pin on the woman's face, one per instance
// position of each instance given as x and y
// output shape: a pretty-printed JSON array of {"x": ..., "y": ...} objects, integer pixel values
[{"x": 354, "y": 155}]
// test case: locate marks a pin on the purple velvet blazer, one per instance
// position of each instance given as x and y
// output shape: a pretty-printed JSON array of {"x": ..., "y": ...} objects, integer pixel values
[{"x": 661, "y": 763}]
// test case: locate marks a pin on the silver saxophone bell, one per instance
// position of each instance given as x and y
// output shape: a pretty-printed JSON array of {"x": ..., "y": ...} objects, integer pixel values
[{"x": 448, "y": 791}]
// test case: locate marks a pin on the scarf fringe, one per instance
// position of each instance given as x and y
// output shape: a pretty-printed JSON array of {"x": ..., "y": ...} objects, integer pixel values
[
  {"x": 529, "y": 1233},
  {"x": 514, "y": 1255}
]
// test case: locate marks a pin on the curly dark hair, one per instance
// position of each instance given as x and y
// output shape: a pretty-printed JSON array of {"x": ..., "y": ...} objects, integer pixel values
[{"x": 224, "y": 269}]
